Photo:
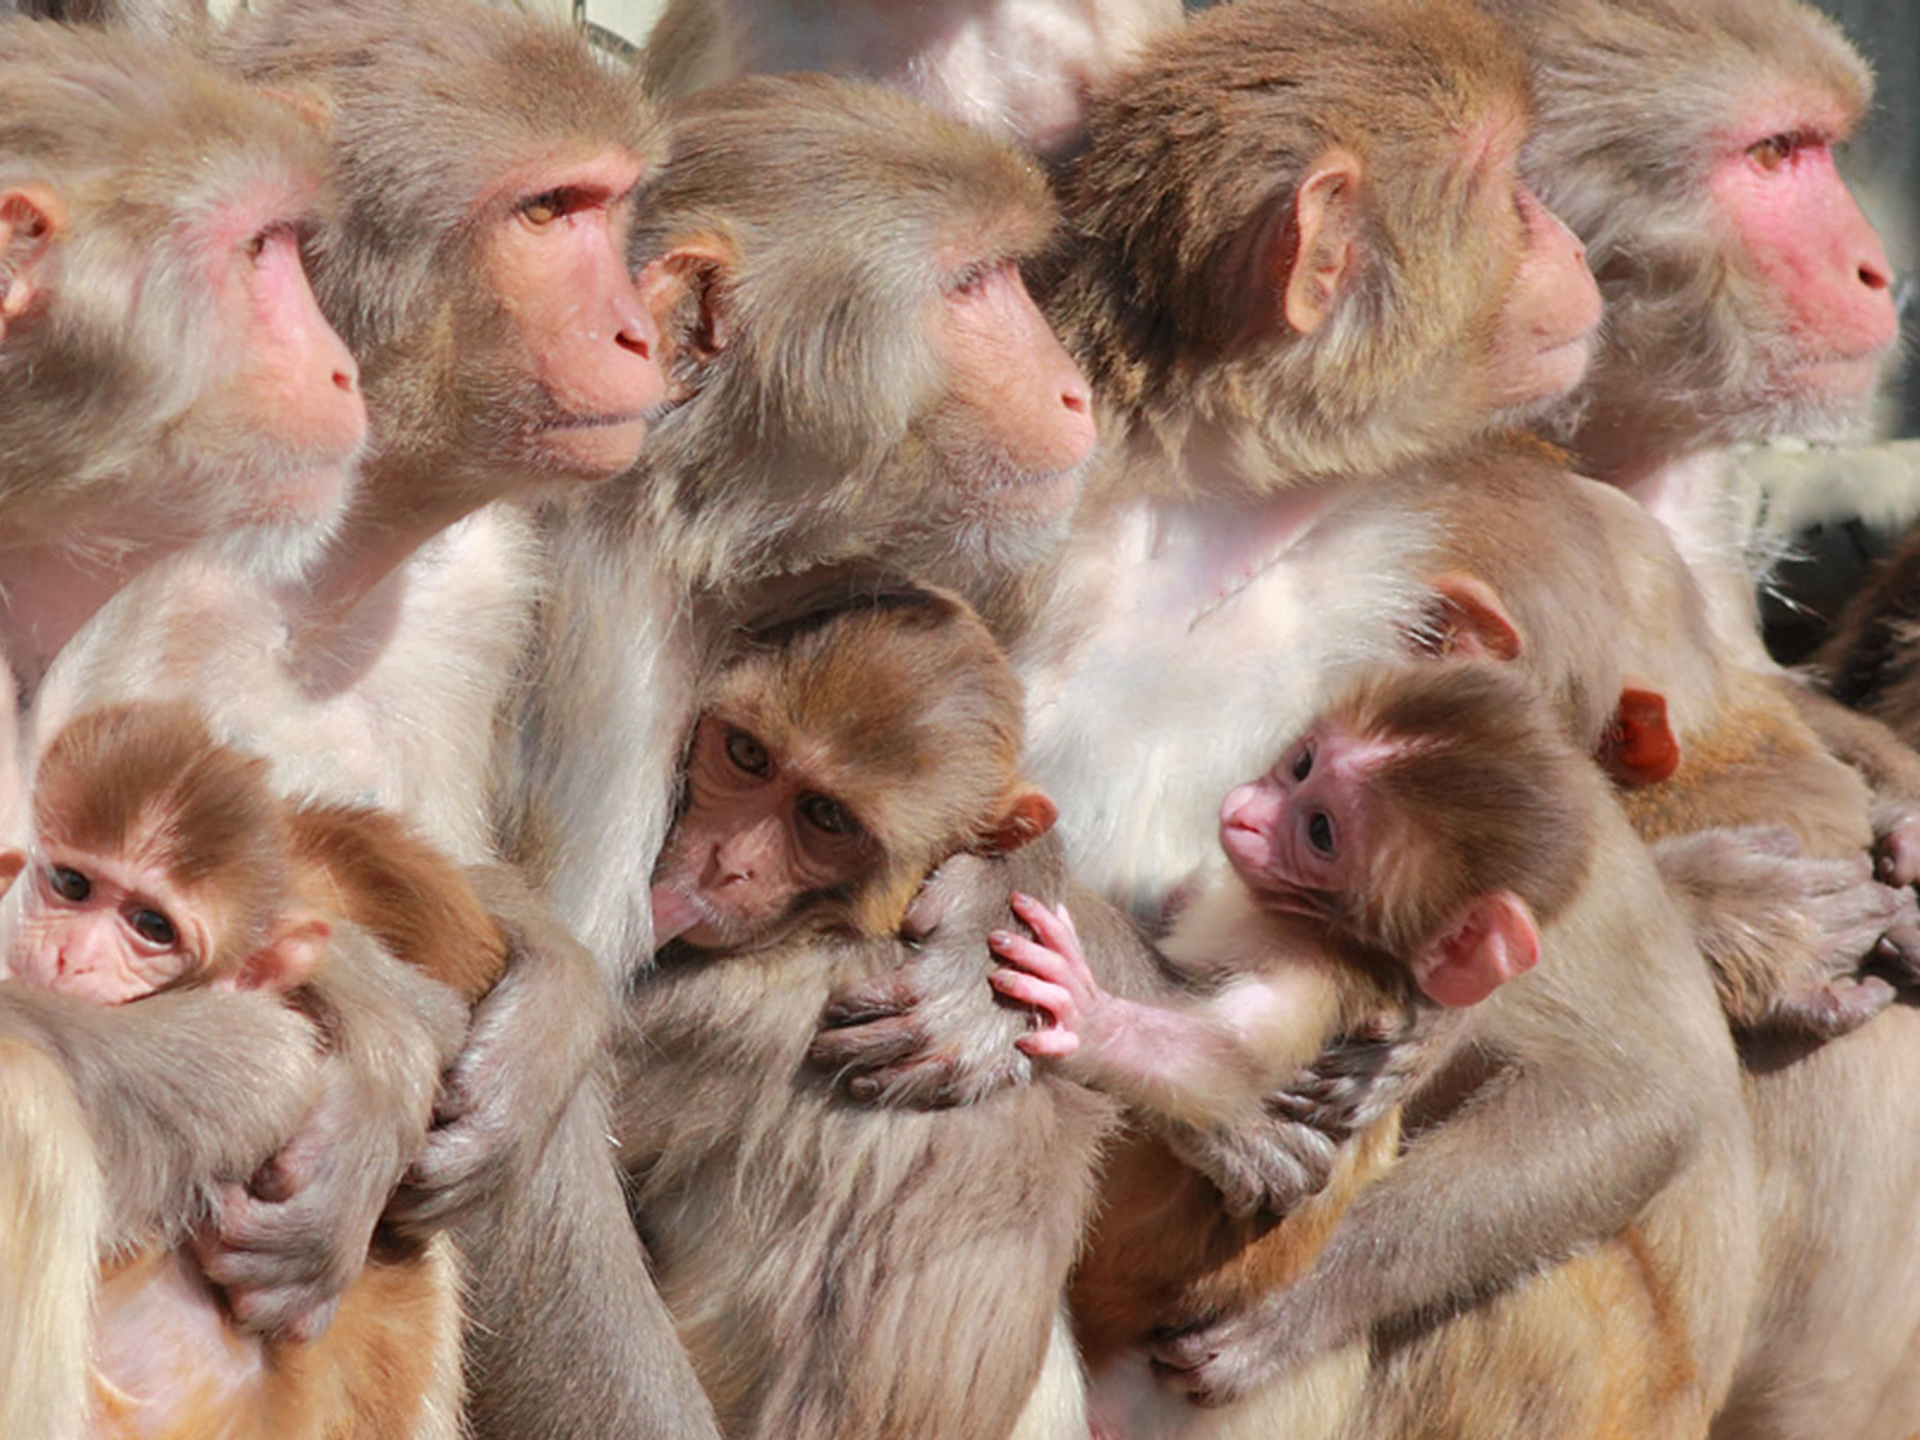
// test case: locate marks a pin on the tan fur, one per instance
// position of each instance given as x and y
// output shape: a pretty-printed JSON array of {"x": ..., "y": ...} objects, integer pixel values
[
  {"x": 813, "y": 1255},
  {"x": 1614, "y": 1336},
  {"x": 51, "y": 1193}
]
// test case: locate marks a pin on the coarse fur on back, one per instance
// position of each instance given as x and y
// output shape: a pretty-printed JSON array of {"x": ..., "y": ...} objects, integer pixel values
[
  {"x": 797, "y": 441},
  {"x": 1194, "y": 157},
  {"x": 144, "y": 145}
]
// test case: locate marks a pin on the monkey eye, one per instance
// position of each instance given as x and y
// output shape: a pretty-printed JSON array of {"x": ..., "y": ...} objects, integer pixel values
[
  {"x": 1774, "y": 151},
  {"x": 827, "y": 815},
  {"x": 153, "y": 927},
  {"x": 1320, "y": 833},
  {"x": 69, "y": 884},
  {"x": 748, "y": 754},
  {"x": 1303, "y": 763},
  {"x": 546, "y": 207}
]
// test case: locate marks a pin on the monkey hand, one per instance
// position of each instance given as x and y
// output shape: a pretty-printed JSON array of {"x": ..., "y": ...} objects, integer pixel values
[
  {"x": 1786, "y": 934},
  {"x": 1896, "y": 842},
  {"x": 925, "y": 1033},
  {"x": 1264, "y": 1165},
  {"x": 531, "y": 1042},
  {"x": 286, "y": 1244},
  {"x": 1050, "y": 973},
  {"x": 1226, "y": 1357}
]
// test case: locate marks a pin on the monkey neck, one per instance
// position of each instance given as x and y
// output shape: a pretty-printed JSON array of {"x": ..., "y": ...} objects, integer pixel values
[
  {"x": 402, "y": 503},
  {"x": 49, "y": 591}
]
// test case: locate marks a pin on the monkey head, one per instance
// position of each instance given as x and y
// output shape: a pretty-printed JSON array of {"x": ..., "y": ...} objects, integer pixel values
[
  {"x": 844, "y": 757},
  {"x": 1401, "y": 821},
  {"x": 160, "y": 349},
  {"x": 1692, "y": 148},
  {"x": 856, "y": 364},
  {"x": 159, "y": 860},
  {"x": 1298, "y": 232},
  {"x": 475, "y": 145}
]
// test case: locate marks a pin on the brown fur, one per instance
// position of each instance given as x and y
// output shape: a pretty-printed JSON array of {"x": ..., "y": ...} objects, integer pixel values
[
  {"x": 126, "y": 771},
  {"x": 1192, "y": 159},
  {"x": 814, "y": 1255},
  {"x": 1610, "y": 1337}
]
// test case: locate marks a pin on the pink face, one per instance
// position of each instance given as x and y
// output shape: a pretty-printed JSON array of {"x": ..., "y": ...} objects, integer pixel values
[
  {"x": 293, "y": 385},
  {"x": 555, "y": 253},
  {"x": 106, "y": 931},
  {"x": 1016, "y": 402},
  {"x": 1543, "y": 338},
  {"x": 1300, "y": 829},
  {"x": 755, "y": 839},
  {"x": 1802, "y": 233}
]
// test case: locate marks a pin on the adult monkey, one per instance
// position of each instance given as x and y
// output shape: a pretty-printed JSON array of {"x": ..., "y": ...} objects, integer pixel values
[
  {"x": 1020, "y": 68},
  {"x": 143, "y": 205},
  {"x": 1354, "y": 169},
  {"x": 466, "y": 143},
  {"x": 1691, "y": 145}
]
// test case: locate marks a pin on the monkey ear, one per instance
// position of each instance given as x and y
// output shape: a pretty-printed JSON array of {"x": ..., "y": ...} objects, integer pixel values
[
  {"x": 1468, "y": 619},
  {"x": 12, "y": 862},
  {"x": 1326, "y": 231},
  {"x": 287, "y": 960},
  {"x": 1494, "y": 941},
  {"x": 1027, "y": 816},
  {"x": 1640, "y": 747},
  {"x": 31, "y": 219},
  {"x": 687, "y": 291}
]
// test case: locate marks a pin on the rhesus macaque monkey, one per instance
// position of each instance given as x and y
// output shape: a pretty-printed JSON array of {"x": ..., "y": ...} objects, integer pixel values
[
  {"x": 1021, "y": 68},
  {"x": 163, "y": 861},
  {"x": 1588, "y": 593},
  {"x": 477, "y": 271},
  {"x": 164, "y": 376},
  {"x": 1357, "y": 166},
  {"x": 943, "y": 430},
  {"x": 835, "y": 1271},
  {"x": 1691, "y": 147},
  {"x": 1430, "y": 833}
]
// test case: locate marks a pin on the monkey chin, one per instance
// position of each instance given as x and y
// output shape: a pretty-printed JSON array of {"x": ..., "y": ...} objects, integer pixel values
[{"x": 594, "y": 449}]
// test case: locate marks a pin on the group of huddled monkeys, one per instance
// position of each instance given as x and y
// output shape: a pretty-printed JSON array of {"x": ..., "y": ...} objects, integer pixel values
[{"x": 710, "y": 754}]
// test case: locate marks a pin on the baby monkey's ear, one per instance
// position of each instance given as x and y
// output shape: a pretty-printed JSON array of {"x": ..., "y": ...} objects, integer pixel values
[
  {"x": 1491, "y": 942},
  {"x": 288, "y": 960},
  {"x": 1025, "y": 816}
]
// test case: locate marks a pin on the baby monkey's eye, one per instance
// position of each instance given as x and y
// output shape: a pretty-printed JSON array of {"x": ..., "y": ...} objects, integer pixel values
[
  {"x": 748, "y": 753},
  {"x": 826, "y": 814},
  {"x": 69, "y": 884},
  {"x": 153, "y": 927},
  {"x": 1320, "y": 833},
  {"x": 1303, "y": 763}
]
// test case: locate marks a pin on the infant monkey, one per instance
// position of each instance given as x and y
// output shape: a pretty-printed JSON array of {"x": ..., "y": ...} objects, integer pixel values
[
  {"x": 846, "y": 753},
  {"x": 1415, "y": 839},
  {"x": 163, "y": 860}
]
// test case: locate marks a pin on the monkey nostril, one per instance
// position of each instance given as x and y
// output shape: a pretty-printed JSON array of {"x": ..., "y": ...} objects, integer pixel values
[
  {"x": 345, "y": 381},
  {"x": 637, "y": 343},
  {"x": 1875, "y": 277}
]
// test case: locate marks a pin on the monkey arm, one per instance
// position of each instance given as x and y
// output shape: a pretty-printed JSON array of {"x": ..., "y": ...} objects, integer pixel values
[
  {"x": 286, "y": 1244},
  {"x": 1526, "y": 1171},
  {"x": 176, "y": 1090},
  {"x": 1785, "y": 934},
  {"x": 532, "y": 1040},
  {"x": 1884, "y": 761}
]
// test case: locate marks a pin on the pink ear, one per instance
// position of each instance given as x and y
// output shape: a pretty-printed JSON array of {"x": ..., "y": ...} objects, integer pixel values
[
  {"x": 287, "y": 961},
  {"x": 1470, "y": 620},
  {"x": 1494, "y": 941},
  {"x": 31, "y": 216},
  {"x": 1029, "y": 814},
  {"x": 1327, "y": 231}
]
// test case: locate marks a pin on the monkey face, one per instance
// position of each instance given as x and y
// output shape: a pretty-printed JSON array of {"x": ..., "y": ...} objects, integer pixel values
[{"x": 106, "y": 930}]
